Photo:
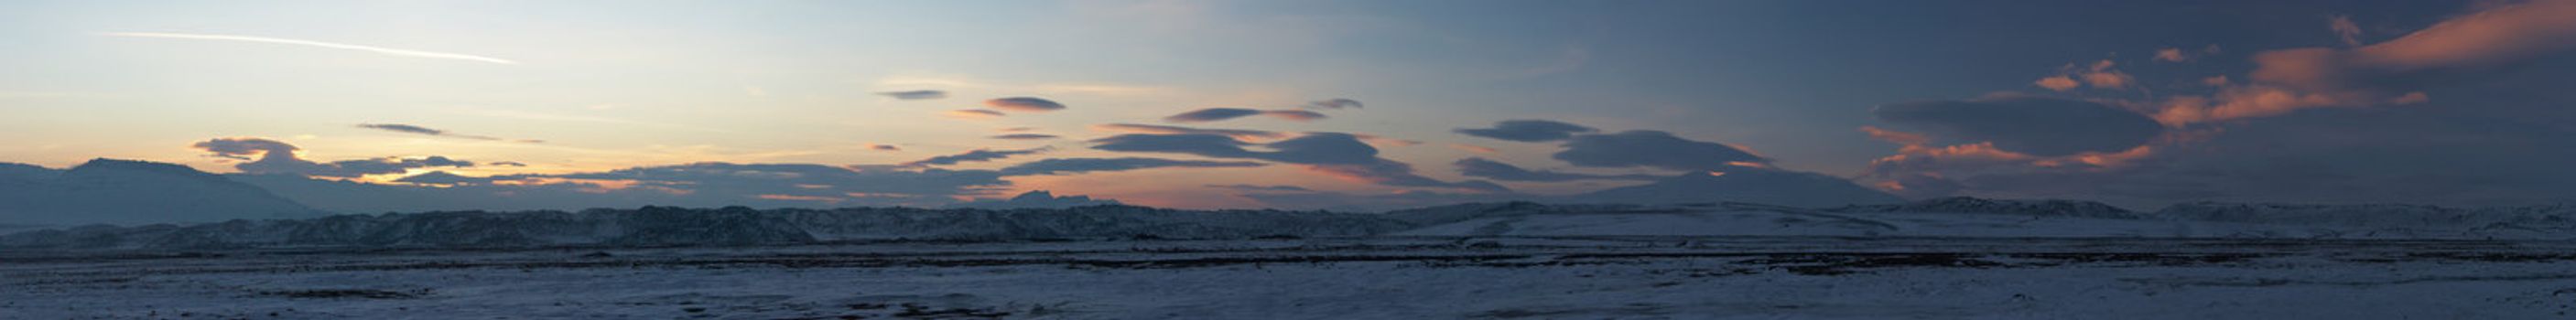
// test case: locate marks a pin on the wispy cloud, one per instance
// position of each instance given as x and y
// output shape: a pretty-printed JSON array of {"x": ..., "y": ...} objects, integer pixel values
[
  {"x": 333, "y": 45},
  {"x": 412, "y": 129}
]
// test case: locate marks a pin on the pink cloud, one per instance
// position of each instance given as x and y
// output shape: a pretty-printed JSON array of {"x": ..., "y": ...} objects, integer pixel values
[
  {"x": 2059, "y": 83},
  {"x": 2344, "y": 29},
  {"x": 2171, "y": 55},
  {"x": 2385, "y": 73}
]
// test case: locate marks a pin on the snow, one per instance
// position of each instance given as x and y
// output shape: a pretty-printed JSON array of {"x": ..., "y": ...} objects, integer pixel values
[
  {"x": 1377, "y": 278},
  {"x": 1999, "y": 219},
  {"x": 1952, "y": 258}
]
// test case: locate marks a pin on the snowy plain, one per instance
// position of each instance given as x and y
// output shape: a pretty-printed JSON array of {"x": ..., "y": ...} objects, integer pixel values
[
  {"x": 1376, "y": 278},
  {"x": 1962, "y": 260}
]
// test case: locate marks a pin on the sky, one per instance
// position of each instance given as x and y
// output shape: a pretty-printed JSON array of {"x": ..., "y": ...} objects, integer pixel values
[{"x": 2136, "y": 103}]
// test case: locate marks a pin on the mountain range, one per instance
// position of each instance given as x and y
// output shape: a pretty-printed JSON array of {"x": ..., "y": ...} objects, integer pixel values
[
  {"x": 137, "y": 192},
  {"x": 133, "y": 192}
]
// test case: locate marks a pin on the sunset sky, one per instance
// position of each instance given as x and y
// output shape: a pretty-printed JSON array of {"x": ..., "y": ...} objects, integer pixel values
[{"x": 2138, "y": 103}]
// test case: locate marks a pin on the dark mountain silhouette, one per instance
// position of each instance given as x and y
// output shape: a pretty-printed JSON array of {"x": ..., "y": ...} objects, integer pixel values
[
  {"x": 1752, "y": 185},
  {"x": 133, "y": 192}
]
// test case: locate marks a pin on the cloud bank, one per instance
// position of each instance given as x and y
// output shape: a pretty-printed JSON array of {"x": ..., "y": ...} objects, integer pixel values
[{"x": 1528, "y": 131}]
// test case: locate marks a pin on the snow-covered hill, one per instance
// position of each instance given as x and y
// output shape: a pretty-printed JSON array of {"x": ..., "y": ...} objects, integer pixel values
[
  {"x": 1972, "y": 217},
  {"x": 655, "y": 226},
  {"x": 1945, "y": 217}
]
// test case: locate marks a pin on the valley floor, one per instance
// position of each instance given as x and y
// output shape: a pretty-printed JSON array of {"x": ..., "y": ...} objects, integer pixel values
[{"x": 1371, "y": 278}]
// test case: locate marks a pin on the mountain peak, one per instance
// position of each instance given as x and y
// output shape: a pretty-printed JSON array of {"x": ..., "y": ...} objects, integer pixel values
[
  {"x": 1036, "y": 199},
  {"x": 1035, "y": 195},
  {"x": 105, "y": 165}
]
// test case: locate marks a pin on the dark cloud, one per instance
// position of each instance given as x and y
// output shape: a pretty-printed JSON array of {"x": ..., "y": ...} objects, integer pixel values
[
  {"x": 274, "y": 157},
  {"x": 1337, "y": 154},
  {"x": 506, "y": 164},
  {"x": 974, "y": 113},
  {"x": 245, "y": 148},
  {"x": 347, "y": 168},
  {"x": 2029, "y": 125},
  {"x": 1024, "y": 104},
  {"x": 1528, "y": 130},
  {"x": 1654, "y": 149},
  {"x": 1392, "y": 173},
  {"x": 1295, "y": 115},
  {"x": 1753, "y": 185},
  {"x": 1334, "y": 103},
  {"x": 1237, "y": 134},
  {"x": 1082, "y": 165},
  {"x": 915, "y": 94},
  {"x": 883, "y": 147},
  {"x": 1222, "y": 114},
  {"x": 433, "y": 161},
  {"x": 751, "y": 180},
  {"x": 1211, "y": 114},
  {"x": 978, "y": 155},
  {"x": 412, "y": 129},
  {"x": 1369, "y": 202},
  {"x": 404, "y": 128},
  {"x": 1025, "y": 136},
  {"x": 1489, "y": 169},
  {"x": 1322, "y": 148},
  {"x": 1260, "y": 188},
  {"x": 1205, "y": 145}
]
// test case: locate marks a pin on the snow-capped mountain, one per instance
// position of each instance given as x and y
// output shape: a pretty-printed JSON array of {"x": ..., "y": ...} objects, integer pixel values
[
  {"x": 2042, "y": 208},
  {"x": 131, "y": 192}
]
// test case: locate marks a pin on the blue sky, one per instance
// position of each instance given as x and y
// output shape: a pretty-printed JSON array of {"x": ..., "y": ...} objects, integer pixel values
[{"x": 607, "y": 85}]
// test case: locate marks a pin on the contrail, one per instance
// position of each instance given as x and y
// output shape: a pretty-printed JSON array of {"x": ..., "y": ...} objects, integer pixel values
[{"x": 383, "y": 50}]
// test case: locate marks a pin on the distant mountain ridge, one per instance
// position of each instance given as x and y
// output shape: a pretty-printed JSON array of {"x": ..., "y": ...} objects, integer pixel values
[
  {"x": 128, "y": 191},
  {"x": 138, "y": 192},
  {"x": 1038, "y": 199},
  {"x": 1957, "y": 216},
  {"x": 657, "y": 226},
  {"x": 2048, "y": 207},
  {"x": 1764, "y": 186}
]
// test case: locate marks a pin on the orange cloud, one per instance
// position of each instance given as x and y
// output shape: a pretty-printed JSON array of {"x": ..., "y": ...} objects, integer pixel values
[
  {"x": 2171, "y": 55},
  {"x": 1898, "y": 137},
  {"x": 2059, "y": 83},
  {"x": 2293, "y": 79},
  {"x": 2108, "y": 80}
]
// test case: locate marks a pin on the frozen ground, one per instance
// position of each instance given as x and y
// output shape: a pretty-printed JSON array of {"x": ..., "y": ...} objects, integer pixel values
[{"x": 1738, "y": 277}]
